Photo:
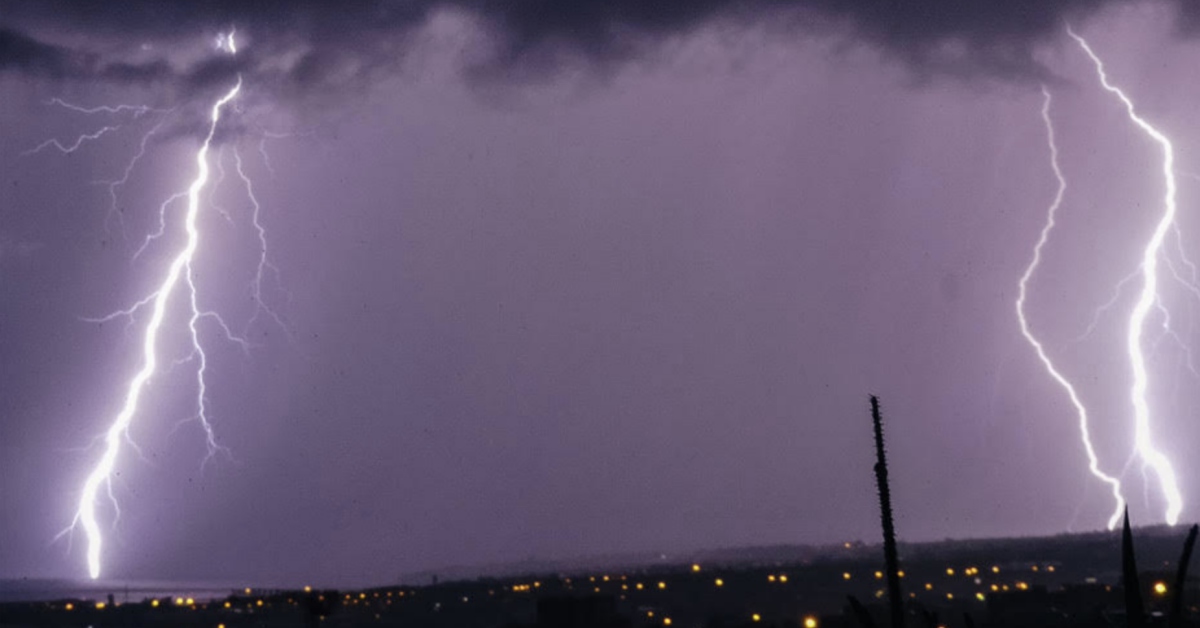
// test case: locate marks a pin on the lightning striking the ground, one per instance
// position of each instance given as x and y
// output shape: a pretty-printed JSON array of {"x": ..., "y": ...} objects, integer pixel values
[
  {"x": 1147, "y": 299},
  {"x": 178, "y": 276},
  {"x": 1022, "y": 293},
  {"x": 180, "y": 267}
]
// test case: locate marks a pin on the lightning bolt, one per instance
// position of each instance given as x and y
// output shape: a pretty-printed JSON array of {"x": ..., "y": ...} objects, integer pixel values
[
  {"x": 1093, "y": 464},
  {"x": 180, "y": 268},
  {"x": 1022, "y": 293},
  {"x": 179, "y": 276},
  {"x": 1147, "y": 299}
]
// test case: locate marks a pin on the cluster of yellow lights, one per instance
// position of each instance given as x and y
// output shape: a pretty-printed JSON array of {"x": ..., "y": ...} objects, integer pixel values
[{"x": 1160, "y": 588}]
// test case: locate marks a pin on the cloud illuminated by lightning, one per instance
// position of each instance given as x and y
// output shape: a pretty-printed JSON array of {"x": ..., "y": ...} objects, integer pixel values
[
  {"x": 1022, "y": 292},
  {"x": 1147, "y": 299}
]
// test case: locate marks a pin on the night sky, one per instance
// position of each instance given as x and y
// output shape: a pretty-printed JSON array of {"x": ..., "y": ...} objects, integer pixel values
[{"x": 558, "y": 279}]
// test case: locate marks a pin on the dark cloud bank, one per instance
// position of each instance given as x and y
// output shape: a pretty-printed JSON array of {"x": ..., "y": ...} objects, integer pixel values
[{"x": 314, "y": 46}]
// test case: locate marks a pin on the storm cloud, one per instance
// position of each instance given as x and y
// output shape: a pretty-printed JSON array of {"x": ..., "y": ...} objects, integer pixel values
[{"x": 308, "y": 47}]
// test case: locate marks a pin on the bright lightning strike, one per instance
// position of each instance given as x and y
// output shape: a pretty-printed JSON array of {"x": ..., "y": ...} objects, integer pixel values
[
  {"x": 181, "y": 266},
  {"x": 1146, "y": 299},
  {"x": 1022, "y": 290},
  {"x": 178, "y": 274}
]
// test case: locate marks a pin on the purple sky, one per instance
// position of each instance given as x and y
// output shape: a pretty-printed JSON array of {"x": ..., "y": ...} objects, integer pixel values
[{"x": 545, "y": 305}]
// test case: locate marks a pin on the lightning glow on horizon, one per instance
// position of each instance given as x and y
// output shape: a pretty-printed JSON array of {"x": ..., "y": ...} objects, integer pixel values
[
  {"x": 1148, "y": 299},
  {"x": 1022, "y": 291}
]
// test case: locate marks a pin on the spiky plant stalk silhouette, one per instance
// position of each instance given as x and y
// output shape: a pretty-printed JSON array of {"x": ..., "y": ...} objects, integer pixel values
[
  {"x": 1175, "y": 618},
  {"x": 885, "y": 512},
  {"x": 1135, "y": 609}
]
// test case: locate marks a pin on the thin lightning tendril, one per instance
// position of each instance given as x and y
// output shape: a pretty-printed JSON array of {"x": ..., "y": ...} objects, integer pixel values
[
  {"x": 264, "y": 264},
  {"x": 138, "y": 110},
  {"x": 1022, "y": 292},
  {"x": 67, "y": 149},
  {"x": 114, "y": 210},
  {"x": 1146, "y": 300}
]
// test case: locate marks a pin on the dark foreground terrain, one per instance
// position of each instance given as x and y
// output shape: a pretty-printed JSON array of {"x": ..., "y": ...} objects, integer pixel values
[{"x": 1059, "y": 581}]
